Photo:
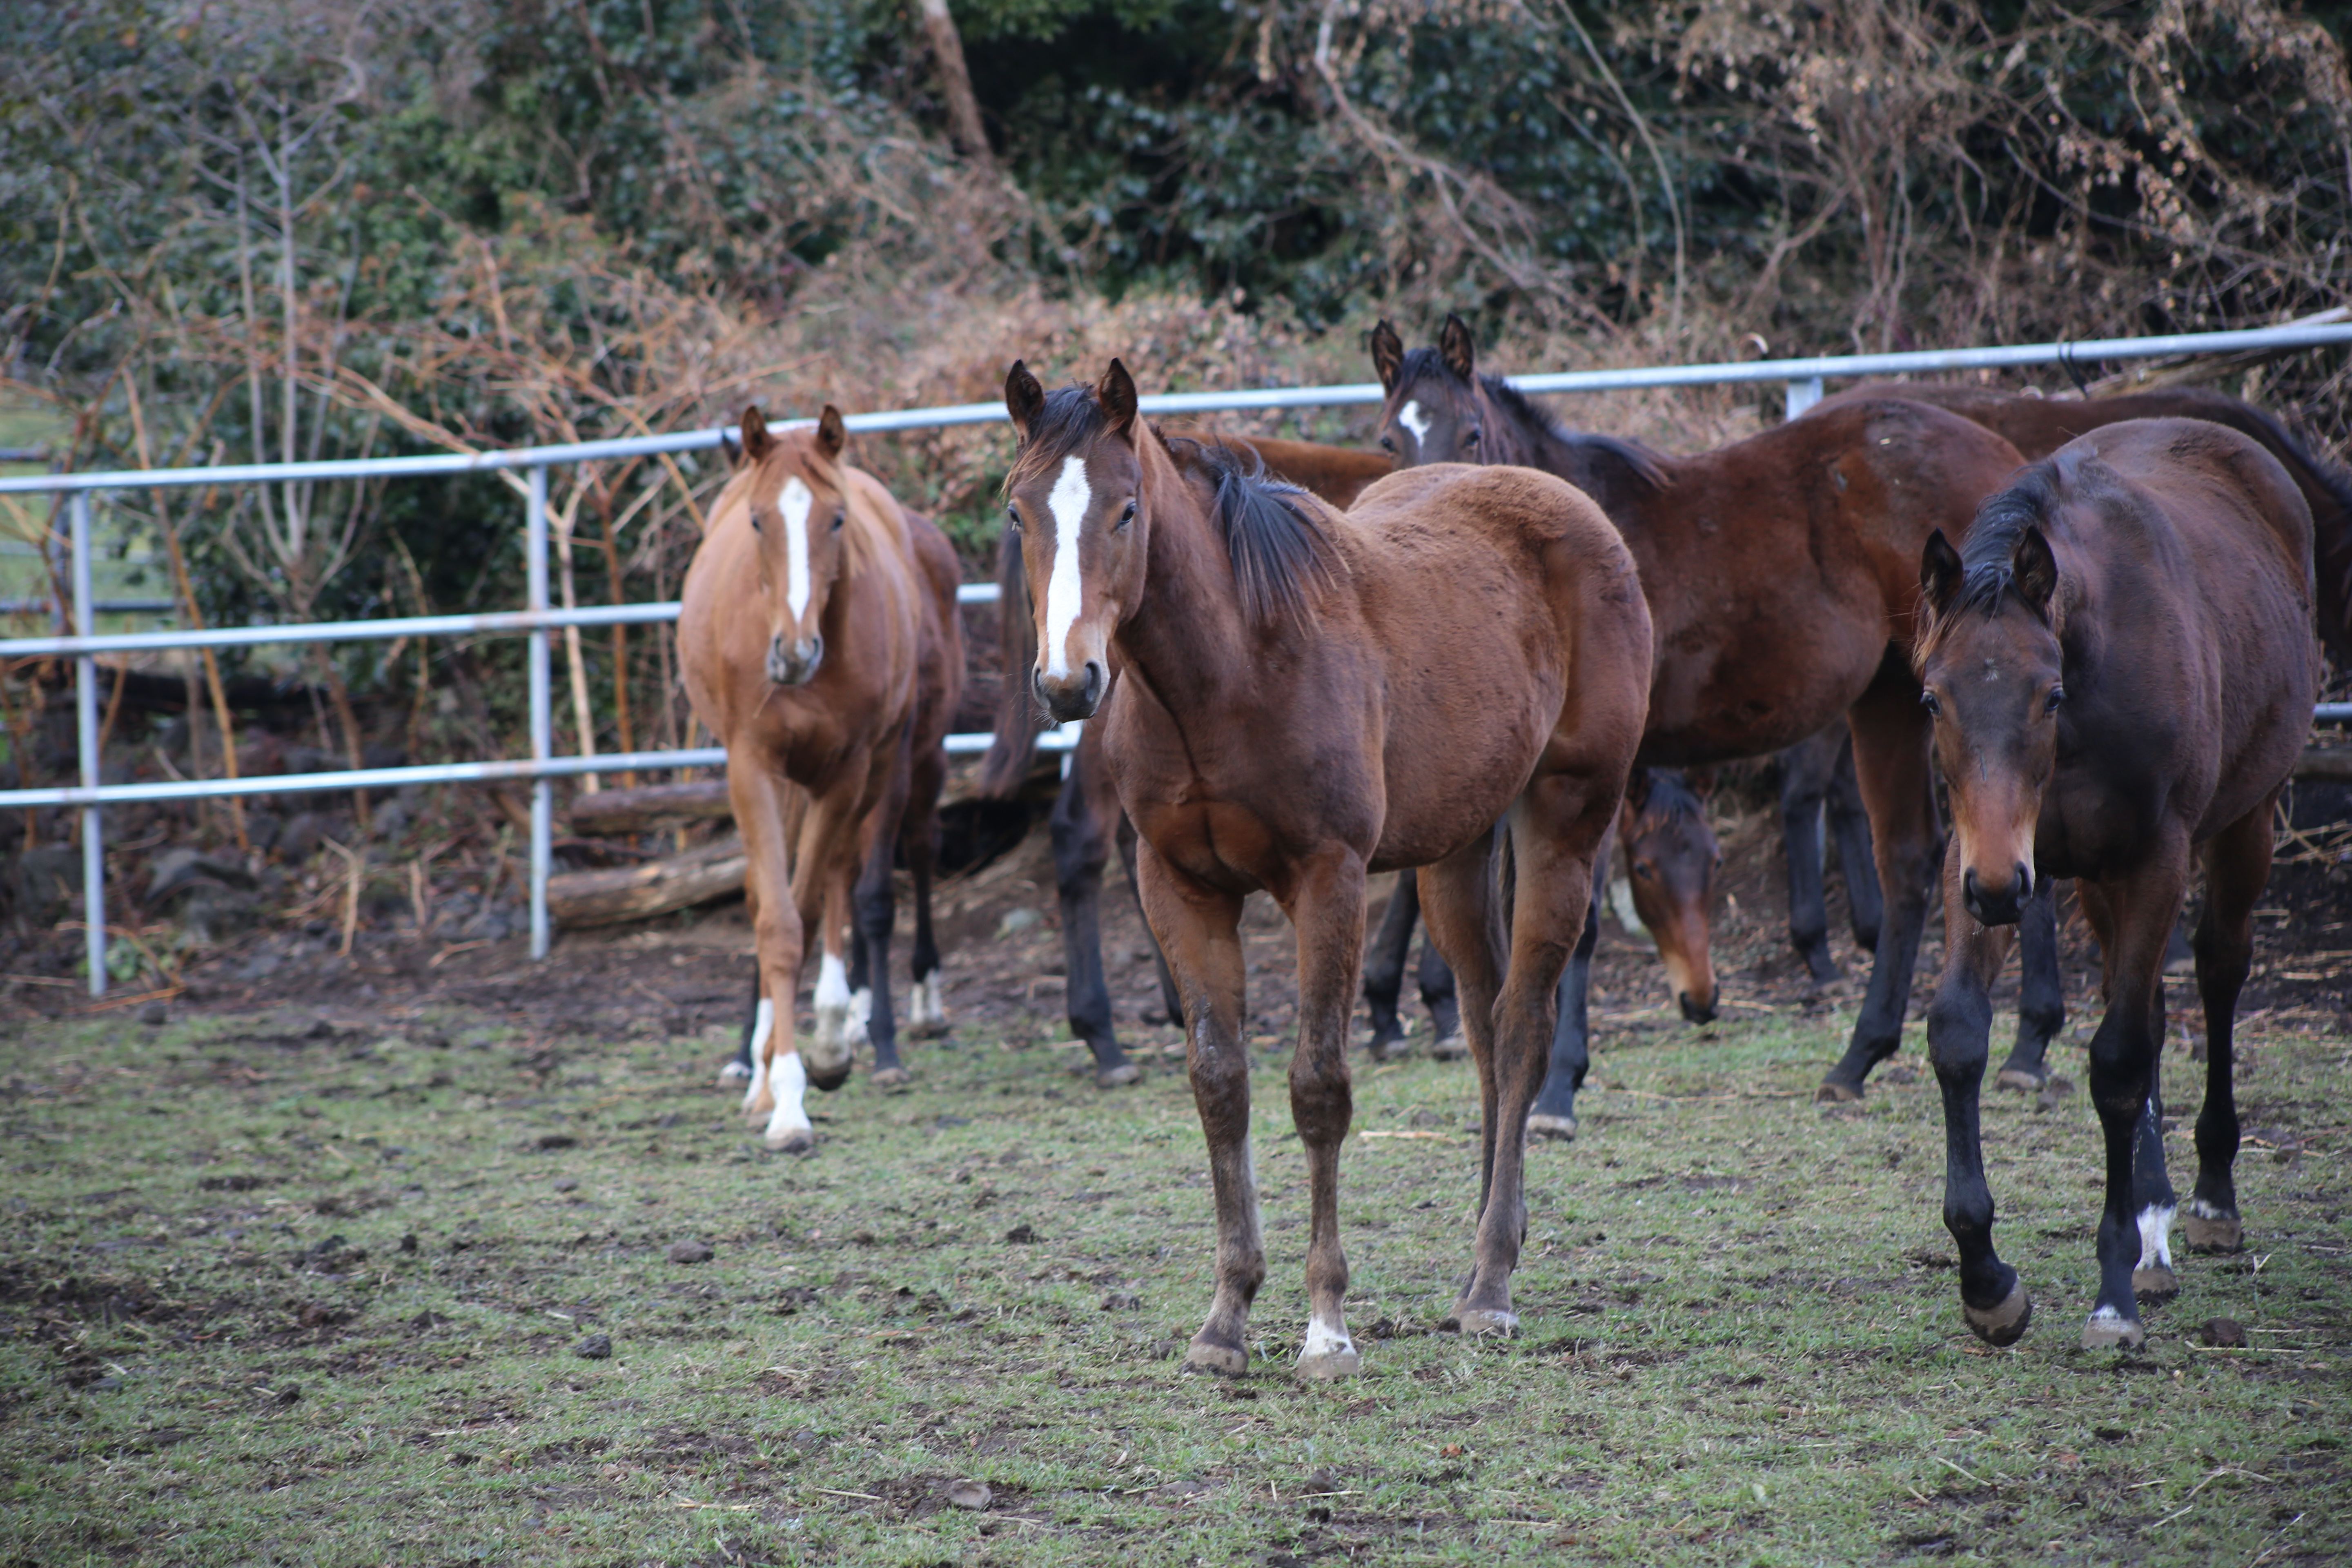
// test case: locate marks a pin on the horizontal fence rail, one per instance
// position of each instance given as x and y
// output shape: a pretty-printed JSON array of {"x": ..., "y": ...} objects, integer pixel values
[{"x": 1802, "y": 379}]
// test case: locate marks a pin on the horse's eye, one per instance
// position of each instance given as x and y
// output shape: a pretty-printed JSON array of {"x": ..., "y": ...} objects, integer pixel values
[
  {"x": 837, "y": 518},
  {"x": 1387, "y": 444},
  {"x": 1012, "y": 517},
  {"x": 1128, "y": 514},
  {"x": 2057, "y": 695},
  {"x": 755, "y": 520},
  {"x": 1470, "y": 436},
  {"x": 1934, "y": 708},
  {"x": 1644, "y": 869}
]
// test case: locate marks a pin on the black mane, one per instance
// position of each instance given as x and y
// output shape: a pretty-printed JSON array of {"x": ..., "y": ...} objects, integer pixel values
[
  {"x": 1670, "y": 794},
  {"x": 1070, "y": 419},
  {"x": 1578, "y": 451},
  {"x": 1986, "y": 577},
  {"x": 1277, "y": 547}
]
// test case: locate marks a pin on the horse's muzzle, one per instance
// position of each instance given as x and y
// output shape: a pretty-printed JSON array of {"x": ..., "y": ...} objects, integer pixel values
[
  {"x": 794, "y": 665},
  {"x": 1996, "y": 906},
  {"x": 1069, "y": 699}
]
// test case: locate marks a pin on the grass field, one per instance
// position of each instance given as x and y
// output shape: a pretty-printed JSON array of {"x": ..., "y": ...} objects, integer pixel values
[{"x": 278, "y": 1291}]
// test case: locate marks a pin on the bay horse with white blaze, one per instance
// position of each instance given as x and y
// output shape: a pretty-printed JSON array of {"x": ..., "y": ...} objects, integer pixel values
[
  {"x": 818, "y": 639},
  {"x": 1304, "y": 697},
  {"x": 1779, "y": 572},
  {"x": 2121, "y": 666}
]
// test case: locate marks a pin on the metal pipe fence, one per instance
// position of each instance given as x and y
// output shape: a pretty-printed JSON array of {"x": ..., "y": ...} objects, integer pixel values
[{"x": 1802, "y": 379}]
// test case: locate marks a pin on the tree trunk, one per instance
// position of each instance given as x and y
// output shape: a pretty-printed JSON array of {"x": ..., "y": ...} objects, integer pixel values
[{"x": 955, "y": 82}]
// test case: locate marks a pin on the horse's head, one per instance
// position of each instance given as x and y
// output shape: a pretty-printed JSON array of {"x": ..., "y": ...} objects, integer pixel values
[
  {"x": 1074, "y": 497},
  {"x": 1435, "y": 412},
  {"x": 799, "y": 501},
  {"x": 1990, "y": 665},
  {"x": 1672, "y": 854}
]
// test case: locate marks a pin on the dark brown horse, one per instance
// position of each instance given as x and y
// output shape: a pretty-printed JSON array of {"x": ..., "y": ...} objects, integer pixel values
[
  {"x": 1305, "y": 697},
  {"x": 2121, "y": 666},
  {"x": 1779, "y": 571},
  {"x": 1086, "y": 822},
  {"x": 2038, "y": 427},
  {"x": 818, "y": 640}
]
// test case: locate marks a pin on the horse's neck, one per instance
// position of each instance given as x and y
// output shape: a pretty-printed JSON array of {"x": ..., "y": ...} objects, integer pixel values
[{"x": 1186, "y": 639}]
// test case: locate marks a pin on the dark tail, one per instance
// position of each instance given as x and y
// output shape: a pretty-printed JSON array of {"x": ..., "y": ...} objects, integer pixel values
[{"x": 1006, "y": 766}]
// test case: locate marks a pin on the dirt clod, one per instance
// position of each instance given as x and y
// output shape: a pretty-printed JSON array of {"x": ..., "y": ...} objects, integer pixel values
[
  {"x": 1020, "y": 1234},
  {"x": 1122, "y": 1301},
  {"x": 690, "y": 1252},
  {"x": 973, "y": 1495},
  {"x": 2228, "y": 1333},
  {"x": 595, "y": 1347}
]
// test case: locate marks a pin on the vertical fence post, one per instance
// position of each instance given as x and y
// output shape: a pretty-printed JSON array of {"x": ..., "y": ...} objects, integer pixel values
[
  {"x": 542, "y": 738},
  {"x": 1802, "y": 395},
  {"x": 93, "y": 843}
]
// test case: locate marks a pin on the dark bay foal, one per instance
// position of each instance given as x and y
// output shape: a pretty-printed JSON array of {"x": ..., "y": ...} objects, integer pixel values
[{"x": 2121, "y": 666}]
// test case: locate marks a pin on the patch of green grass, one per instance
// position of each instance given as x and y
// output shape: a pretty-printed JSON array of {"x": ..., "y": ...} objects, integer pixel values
[{"x": 1742, "y": 1338}]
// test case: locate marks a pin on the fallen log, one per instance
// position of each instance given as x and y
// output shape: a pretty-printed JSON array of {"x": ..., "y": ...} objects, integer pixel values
[
  {"x": 653, "y": 809},
  {"x": 2326, "y": 763},
  {"x": 577, "y": 899}
]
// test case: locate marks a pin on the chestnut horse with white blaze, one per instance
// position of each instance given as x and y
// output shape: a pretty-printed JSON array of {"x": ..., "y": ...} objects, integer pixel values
[
  {"x": 818, "y": 639},
  {"x": 1304, "y": 697},
  {"x": 2121, "y": 664}
]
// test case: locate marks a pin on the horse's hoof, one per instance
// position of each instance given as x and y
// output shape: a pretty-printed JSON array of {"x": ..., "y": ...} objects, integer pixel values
[
  {"x": 1452, "y": 1049},
  {"x": 1206, "y": 1360},
  {"x": 1473, "y": 1322},
  {"x": 733, "y": 1074},
  {"x": 830, "y": 1080},
  {"x": 1119, "y": 1077},
  {"x": 2003, "y": 1324},
  {"x": 2109, "y": 1329},
  {"x": 1541, "y": 1125},
  {"x": 2024, "y": 1080},
  {"x": 930, "y": 1029},
  {"x": 1326, "y": 1365},
  {"x": 793, "y": 1141},
  {"x": 2212, "y": 1232},
  {"x": 2156, "y": 1284},
  {"x": 1394, "y": 1049},
  {"x": 892, "y": 1079},
  {"x": 1833, "y": 1093}
]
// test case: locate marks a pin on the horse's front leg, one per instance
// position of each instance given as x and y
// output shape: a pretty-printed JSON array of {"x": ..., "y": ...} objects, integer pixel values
[
  {"x": 1326, "y": 905},
  {"x": 876, "y": 903},
  {"x": 1805, "y": 771},
  {"x": 2145, "y": 907},
  {"x": 1384, "y": 968},
  {"x": 1199, "y": 928},
  {"x": 1959, "y": 1035},
  {"x": 2041, "y": 991},
  {"x": 778, "y": 933},
  {"x": 1571, "y": 1036}
]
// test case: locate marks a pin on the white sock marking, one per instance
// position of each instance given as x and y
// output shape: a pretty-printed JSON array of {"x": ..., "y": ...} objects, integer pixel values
[
  {"x": 861, "y": 1014},
  {"x": 764, "y": 1022},
  {"x": 928, "y": 1005},
  {"x": 829, "y": 1047},
  {"x": 1414, "y": 420},
  {"x": 797, "y": 499},
  {"x": 792, "y": 1087},
  {"x": 1324, "y": 1339},
  {"x": 2156, "y": 1237},
  {"x": 2105, "y": 1315},
  {"x": 1064, "y": 590}
]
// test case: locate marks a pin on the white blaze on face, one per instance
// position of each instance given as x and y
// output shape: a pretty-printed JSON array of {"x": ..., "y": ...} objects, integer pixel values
[
  {"x": 794, "y": 504},
  {"x": 1067, "y": 502},
  {"x": 1414, "y": 420}
]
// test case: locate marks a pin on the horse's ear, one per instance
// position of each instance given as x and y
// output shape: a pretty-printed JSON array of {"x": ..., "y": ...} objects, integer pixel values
[
  {"x": 1116, "y": 393},
  {"x": 1939, "y": 571},
  {"x": 1388, "y": 355},
  {"x": 1024, "y": 398},
  {"x": 756, "y": 439},
  {"x": 2034, "y": 570},
  {"x": 832, "y": 435},
  {"x": 1456, "y": 347},
  {"x": 1701, "y": 782},
  {"x": 1637, "y": 791}
]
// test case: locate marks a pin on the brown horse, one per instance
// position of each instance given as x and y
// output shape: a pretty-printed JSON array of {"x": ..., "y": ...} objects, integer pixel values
[
  {"x": 2121, "y": 667},
  {"x": 2038, "y": 427},
  {"x": 818, "y": 640},
  {"x": 1779, "y": 571},
  {"x": 1306, "y": 697},
  {"x": 1086, "y": 821}
]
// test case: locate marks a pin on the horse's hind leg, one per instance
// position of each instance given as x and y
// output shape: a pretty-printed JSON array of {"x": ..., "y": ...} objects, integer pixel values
[
  {"x": 2041, "y": 991},
  {"x": 1384, "y": 967},
  {"x": 739, "y": 1066},
  {"x": 918, "y": 840},
  {"x": 1200, "y": 930},
  {"x": 1849, "y": 825},
  {"x": 2144, "y": 907},
  {"x": 1326, "y": 906},
  {"x": 1082, "y": 827},
  {"x": 876, "y": 903},
  {"x": 1805, "y": 770},
  {"x": 1170, "y": 1000},
  {"x": 1959, "y": 1038},
  {"x": 2237, "y": 866},
  {"x": 1891, "y": 734}
]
